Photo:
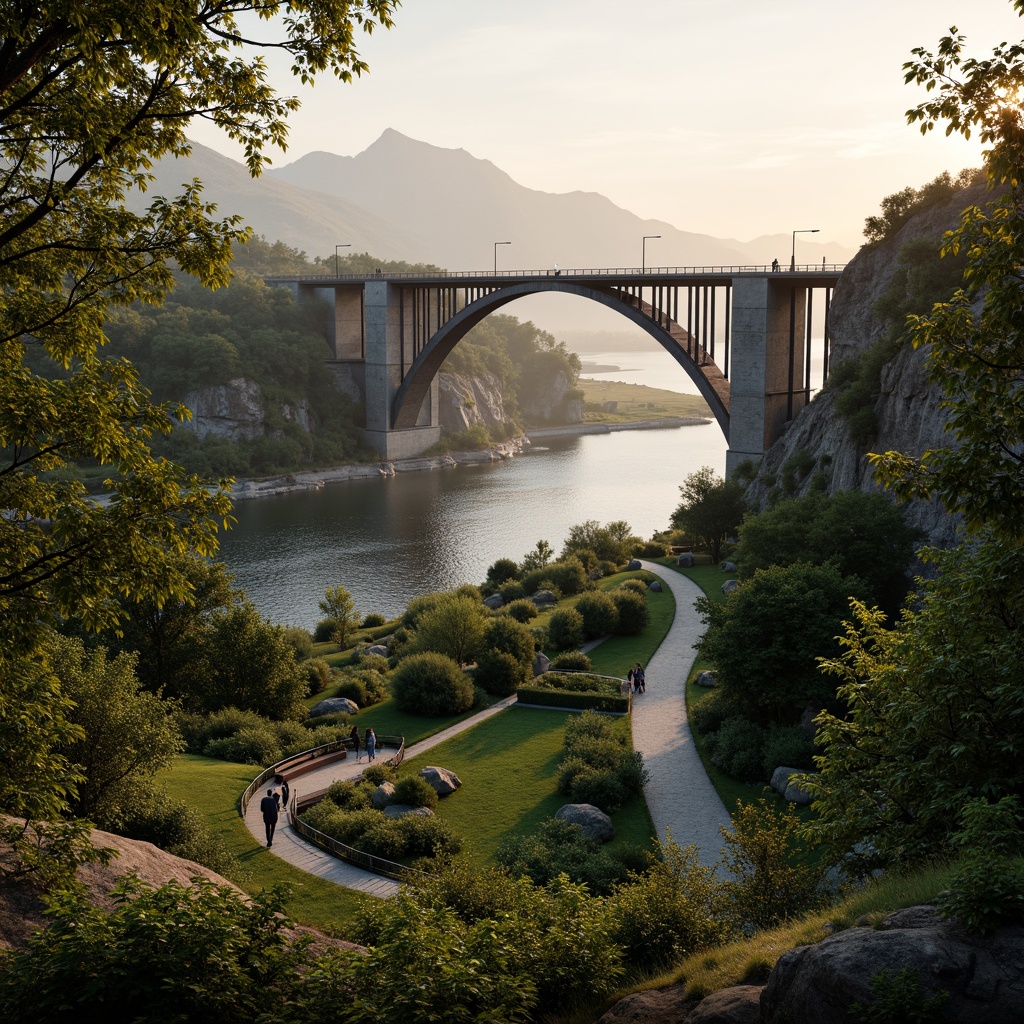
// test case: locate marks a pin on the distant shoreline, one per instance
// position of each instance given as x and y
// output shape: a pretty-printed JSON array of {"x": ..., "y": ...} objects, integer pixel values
[{"x": 315, "y": 479}]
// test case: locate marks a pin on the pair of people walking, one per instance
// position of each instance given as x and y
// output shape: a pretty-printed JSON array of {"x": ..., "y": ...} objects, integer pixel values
[
  {"x": 637, "y": 679},
  {"x": 370, "y": 742}
]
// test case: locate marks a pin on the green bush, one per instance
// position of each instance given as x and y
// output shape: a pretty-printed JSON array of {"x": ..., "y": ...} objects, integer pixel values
[
  {"x": 669, "y": 912},
  {"x": 372, "y": 620},
  {"x": 636, "y": 585},
  {"x": 374, "y": 663},
  {"x": 301, "y": 641},
  {"x": 250, "y": 745},
  {"x": 522, "y": 610},
  {"x": 415, "y": 791},
  {"x": 499, "y": 673},
  {"x": 512, "y": 591},
  {"x": 738, "y": 749},
  {"x": 600, "y": 614},
  {"x": 431, "y": 684},
  {"x": 349, "y": 795},
  {"x": 323, "y": 631},
  {"x": 501, "y": 571},
  {"x": 650, "y": 549},
  {"x": 365, "y": 687},
  {"x": 318, "y": 674},
  {"x": 791, "y": 746},
  {"x": 602, "y": 789},
  {"x": 571, "y": 661},
  {"x": 568, "y": 575},
  {"x": 565, "y": 629},
  {"x": 634, "y": 615},
  {"x": 558, "y": 847},
  {"x": 379, "y": 772},
  {"x": 708, "y": 714}
]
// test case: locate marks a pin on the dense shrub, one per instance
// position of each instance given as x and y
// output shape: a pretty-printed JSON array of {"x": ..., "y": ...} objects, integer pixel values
[
  {"x": 597, "y": 767},
  {"x": 415, "y": 791},
  {"x": 499, "y": 674},
  {"x": 565, "y": 629},
  {"x": 300, "y": 640},
  {"x": 323, "y": 631},
  {"x": 379, "y": 772},
  {"x": 569, "y": 575},
  {"x": 668, "y": 912},
  {"x": 791, "y": 746},
  {"x": 372, "y": 620},
  {"x": 392, "y": 838},
  {"x": 559, "y": 847},
  {"x": 633, "y": 612},
  {"x": 571, "y": 661},
  {"x": 365, "y": 687},
  {"x": 637, "y": 585},
  {"x": 600, "y": 615},
  {"x": 318, "y": 674},
  {"x": 250, "y": 745},
  {"x": 350, "y": 795},
  {"x": 650, "y": 549},
  {"x": 738, "y": 749},
  {"x": 512, "y": 591},
  {"x": 709, "y": 713},
  {"x": 501, "y": 571},
  {"x": 374, "y": 663},
  {"x": 431, "y": 684},
  {"x": 522, "y": 610}
]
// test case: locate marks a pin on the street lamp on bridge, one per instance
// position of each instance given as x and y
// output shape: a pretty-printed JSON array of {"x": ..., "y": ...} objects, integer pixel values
[
  {"x": 496, "y": 244},
  {"x": 344, "y": 245},
  {"x": 799, "y": 231},
  {"x": 643, "y": 252}
]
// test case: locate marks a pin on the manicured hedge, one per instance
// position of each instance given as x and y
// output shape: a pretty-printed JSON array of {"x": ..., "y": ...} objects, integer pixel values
[{"x": 566, "y": 699}]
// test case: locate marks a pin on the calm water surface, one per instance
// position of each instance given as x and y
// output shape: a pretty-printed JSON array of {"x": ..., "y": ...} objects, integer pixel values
[{"x": 387, "y": 541}]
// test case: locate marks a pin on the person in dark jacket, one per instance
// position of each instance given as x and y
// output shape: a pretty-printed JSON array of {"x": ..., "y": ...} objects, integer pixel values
[{"x": 268, "y": 808}]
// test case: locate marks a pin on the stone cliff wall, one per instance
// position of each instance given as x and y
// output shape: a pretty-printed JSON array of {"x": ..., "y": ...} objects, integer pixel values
[{"x": 910, "y": 419}]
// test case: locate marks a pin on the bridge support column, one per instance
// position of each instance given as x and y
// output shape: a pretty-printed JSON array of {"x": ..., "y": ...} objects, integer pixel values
[
  {"x": 384, "y": 377},
  {"x": 768, "y": 339}
]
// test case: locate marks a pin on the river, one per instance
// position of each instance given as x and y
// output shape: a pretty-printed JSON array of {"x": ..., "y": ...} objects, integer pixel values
[{"x": 388, "y": 540}]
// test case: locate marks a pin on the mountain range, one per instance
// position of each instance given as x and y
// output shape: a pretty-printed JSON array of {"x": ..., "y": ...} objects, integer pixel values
[{"x": 408, "y": 200}]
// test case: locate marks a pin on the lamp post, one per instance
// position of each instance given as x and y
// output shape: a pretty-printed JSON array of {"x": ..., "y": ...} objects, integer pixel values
[
  {"x": 799, "y": 231},
  {"x": 344, "y": 245},
  {"x": 496, "y": 244},
  {"x": 643, "y": 252}
]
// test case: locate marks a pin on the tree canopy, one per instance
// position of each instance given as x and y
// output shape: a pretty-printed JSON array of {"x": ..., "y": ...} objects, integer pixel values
[
  {"x": 90, "y": 96},
  {"x": 710, "y": 510}
]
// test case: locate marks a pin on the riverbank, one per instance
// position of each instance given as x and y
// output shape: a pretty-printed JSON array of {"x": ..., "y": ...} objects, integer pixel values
[{"x": 314, "y": 480}]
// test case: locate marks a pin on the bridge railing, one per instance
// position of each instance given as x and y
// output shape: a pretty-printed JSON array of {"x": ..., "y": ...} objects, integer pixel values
[{"x": 803, "y": 270}]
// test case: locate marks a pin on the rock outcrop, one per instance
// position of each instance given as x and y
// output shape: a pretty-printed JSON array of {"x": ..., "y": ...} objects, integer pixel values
[
  {"x": 465, "y": 402},
  {"x": 908, "y": 412},
  {"x": 233, "y": 410}
]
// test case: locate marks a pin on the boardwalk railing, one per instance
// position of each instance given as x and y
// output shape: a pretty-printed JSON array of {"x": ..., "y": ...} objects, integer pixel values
[
  {"x": 378, "y": 865},
  {"x": 304, "y": 757}
]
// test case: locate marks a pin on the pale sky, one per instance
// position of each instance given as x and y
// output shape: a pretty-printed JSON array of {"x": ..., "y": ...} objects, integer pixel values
[{"x": 734, "y": 118}]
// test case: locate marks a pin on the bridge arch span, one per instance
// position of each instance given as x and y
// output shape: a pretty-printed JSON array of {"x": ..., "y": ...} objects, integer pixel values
[{"x": 703, "y": 371}]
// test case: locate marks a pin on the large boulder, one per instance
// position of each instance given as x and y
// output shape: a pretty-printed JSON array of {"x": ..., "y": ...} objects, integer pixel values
[
  {"x": 634, "y": 565},
  {"x": 729, "y": 586},
  {"x": 494, "y": 602},
  {"x": 685, "y": 560},
  {"x": 383, "y": 795},
  {"x": 541, "y": 664},
  {"x": 654, "y": 1006},
  {"x": 656, "y": 586},
  {"x": 404, "y": 810},
  {"x": 707, "y": 680},
  {"x": 728, "y": 567},
  {"x": 375, "y": 649},
  {"x": 594, "y": 822},
  {"x": 740, "y": 1004},
  {"x": 334, "y": 706},
  {"x": 544, "y": 597},
  {"x": 441, "y": 780},
  {"x": 982, "y": 976},
  {"x": 784, "y": 781}
]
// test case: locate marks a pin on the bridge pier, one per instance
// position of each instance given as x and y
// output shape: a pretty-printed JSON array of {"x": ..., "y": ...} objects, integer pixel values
[
  {"x": 768, "y": 354},
  {"x": 384, "y": 372}
]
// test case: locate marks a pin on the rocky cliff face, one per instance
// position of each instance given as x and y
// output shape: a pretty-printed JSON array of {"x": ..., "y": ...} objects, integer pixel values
[
  {"x": 233, "y": 410},
  {"x": 910, "y": 419},
  {"x": 469, "y": 401}
]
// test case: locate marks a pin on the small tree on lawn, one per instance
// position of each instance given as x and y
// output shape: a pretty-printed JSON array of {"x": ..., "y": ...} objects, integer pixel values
[
  {"x": 711, "y": 509},
  {"x": 339, "y": 607}
]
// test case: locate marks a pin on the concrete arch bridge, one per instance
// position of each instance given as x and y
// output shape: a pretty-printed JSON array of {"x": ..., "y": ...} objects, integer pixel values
[{"x": 742, "y": 335}]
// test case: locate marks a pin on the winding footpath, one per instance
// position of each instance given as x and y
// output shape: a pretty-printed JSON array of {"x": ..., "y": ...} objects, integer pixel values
[{"x": 679, "y": 794}]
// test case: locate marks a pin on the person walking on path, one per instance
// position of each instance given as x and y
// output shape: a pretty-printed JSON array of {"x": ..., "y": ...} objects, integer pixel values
[
  {"x": 268, "y": 808},
  {"x": 354, "y": 737},
  {"x": 371, "y": 743},
  {"x": 285, "y": 793},
  {"x": 640, "y": 678}
]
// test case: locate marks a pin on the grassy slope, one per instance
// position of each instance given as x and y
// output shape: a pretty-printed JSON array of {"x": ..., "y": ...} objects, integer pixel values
[{"x": 214, "y": 787}]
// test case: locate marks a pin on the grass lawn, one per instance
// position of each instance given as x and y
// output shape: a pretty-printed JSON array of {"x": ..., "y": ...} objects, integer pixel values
[
  {"x": 637, "y": 402},
  {"x": 213, "y": 787},
  {"x": 508, "y": 767},
  {"x": 614, "y": 656}
]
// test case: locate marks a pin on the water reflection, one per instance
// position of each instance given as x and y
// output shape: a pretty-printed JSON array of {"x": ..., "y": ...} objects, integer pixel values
[{"x": 389, "y": 540}]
